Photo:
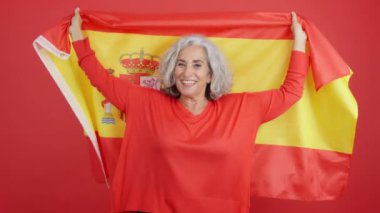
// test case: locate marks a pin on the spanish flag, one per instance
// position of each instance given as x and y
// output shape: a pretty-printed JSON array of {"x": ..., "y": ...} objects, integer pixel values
[{"x": 304, "y": 154}]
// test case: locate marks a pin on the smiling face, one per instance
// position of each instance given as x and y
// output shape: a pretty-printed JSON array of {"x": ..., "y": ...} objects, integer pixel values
[{"x": 192, "y": 73}]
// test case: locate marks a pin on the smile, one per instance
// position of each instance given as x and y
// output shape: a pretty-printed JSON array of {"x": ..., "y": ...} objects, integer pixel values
[{"x": 188, "y": 82}]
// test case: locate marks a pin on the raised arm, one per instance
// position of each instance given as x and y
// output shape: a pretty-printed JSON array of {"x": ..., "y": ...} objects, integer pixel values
[
  {"x": 114, "y": 89},
  {"x": 276, "y": 102}
]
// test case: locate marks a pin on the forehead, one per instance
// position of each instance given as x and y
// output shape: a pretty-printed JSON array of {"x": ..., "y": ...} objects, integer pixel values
[{"x": 193, "y": 52}]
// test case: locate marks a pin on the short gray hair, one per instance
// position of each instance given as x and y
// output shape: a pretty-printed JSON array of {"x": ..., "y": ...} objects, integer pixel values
[{"x": 221, "y": 77}]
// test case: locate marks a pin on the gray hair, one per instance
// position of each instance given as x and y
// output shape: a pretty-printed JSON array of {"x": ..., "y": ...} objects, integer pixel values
[{"x": 221, "y": 77}]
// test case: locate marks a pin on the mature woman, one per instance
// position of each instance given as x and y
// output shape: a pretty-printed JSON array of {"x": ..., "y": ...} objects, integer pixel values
[{"x": 188, "y": 147}]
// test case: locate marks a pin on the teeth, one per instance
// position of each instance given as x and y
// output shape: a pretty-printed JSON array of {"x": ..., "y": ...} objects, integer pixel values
[{"x": 188, "y": 82}]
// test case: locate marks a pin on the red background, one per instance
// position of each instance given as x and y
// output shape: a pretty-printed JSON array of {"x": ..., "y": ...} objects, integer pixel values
[{"x": 44, "y": 162}]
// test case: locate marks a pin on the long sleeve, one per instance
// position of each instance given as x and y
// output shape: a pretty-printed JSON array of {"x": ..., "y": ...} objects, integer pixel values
[
  {"x": 277, "y": 101},
  {"x": 113, "y": 88}
]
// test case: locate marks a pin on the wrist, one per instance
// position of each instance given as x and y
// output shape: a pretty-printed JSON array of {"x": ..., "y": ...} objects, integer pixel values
[
  {"x": 300, "y": 39},
  {"x": 77, "y": 35},
  {"x": 299, "y": 46}
]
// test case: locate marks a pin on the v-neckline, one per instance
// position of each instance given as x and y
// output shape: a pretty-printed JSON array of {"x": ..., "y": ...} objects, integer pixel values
[{"x": 185, "y": 114}]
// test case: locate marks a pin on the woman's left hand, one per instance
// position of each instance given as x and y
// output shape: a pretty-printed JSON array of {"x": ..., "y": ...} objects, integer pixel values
[{"x": 298, "y": 34}]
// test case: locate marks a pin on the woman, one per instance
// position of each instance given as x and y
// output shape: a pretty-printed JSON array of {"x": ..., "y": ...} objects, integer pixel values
[{"x": 189, "y": 148}]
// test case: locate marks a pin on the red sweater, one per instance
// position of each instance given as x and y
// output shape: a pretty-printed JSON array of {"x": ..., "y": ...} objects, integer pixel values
[{"x": 172, "y": 161}]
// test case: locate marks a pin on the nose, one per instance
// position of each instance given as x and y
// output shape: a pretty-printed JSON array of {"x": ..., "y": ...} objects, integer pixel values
[{"x": 188, "y": 71}]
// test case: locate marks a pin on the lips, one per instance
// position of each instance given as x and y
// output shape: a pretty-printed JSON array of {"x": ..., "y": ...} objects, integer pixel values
[{"x": 188, "y": 83}]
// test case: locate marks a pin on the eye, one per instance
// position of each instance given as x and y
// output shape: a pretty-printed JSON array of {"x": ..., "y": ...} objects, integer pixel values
[
  {"x": 180, "y": 64},
  {"x": 197, "y": 65}
]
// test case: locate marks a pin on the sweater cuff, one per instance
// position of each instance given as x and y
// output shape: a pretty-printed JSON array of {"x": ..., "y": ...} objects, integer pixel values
[
  {"x": 299, "y": 61},
  {"x": 82, "y": 48}
]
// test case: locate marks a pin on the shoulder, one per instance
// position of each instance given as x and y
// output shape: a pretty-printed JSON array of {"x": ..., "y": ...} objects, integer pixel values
[
  {"x": 148, "y": 99},
  {"x": 232, "y": 97},
  {"x": 245, "y": 98},
  {"x": 146, "y": 93},
  {"x": 246, "y": 104}
]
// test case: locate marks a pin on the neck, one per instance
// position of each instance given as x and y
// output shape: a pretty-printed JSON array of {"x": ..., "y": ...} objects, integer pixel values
[{"x": 194, "y": 105}]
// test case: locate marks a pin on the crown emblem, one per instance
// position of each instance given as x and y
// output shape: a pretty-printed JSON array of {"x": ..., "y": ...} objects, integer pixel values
[{"x": 140, "y": 62}]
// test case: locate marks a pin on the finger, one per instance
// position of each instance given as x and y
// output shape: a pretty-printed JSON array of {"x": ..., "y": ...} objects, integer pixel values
[
  {"x": 77, "y": 11},
  {"x": 294, "y": 17}
]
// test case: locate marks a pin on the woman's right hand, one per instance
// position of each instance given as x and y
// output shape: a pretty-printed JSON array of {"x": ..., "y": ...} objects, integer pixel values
[{"x": 75, "y": 28}]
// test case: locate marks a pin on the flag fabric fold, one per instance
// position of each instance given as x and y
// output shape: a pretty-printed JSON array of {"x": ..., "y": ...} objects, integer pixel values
[{"x": 304, "y": 154}]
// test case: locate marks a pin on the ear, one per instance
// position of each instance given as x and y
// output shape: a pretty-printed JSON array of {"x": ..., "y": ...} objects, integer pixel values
[{"x": 209, "y": 78}]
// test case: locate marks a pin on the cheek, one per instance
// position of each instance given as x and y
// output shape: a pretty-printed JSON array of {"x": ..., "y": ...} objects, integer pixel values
[{"x": 176, "y": 73}]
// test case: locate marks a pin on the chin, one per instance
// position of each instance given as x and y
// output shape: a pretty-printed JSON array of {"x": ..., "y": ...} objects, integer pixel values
[
  {"x": 191, "y": 92},
  {"x": 187, "y": 95}
]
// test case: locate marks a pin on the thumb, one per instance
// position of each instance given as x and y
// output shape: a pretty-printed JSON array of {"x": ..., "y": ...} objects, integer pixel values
[
  {"x": 77, "y": 11},
  {"x": 294, "y": 17}
]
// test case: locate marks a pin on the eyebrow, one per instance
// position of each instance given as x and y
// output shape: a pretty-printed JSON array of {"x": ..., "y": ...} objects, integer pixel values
[
  {"x": 199, "y": 60},
  {"x": 195, "y": 61}
]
